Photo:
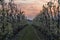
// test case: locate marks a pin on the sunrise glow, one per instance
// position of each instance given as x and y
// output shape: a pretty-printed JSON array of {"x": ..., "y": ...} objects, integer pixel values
[{"x": 30, "y": 7}]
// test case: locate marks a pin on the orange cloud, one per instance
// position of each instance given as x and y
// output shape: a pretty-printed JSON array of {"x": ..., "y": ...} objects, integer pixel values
[
  {"x": 31, "y": 7},
  {"x": 30, "y": 10}
]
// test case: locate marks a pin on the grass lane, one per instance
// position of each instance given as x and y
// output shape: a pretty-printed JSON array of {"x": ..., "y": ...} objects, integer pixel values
[{"x": 27, "y": 34}]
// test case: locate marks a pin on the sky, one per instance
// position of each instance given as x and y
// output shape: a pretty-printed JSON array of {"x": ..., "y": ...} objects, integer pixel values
[{"x": 31, "y": 8}]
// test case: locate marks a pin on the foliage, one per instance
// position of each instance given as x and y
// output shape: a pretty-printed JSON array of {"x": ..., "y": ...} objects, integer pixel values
[
  {"x": 47, "y": 23},
  {"x": 11, "y": 23}
]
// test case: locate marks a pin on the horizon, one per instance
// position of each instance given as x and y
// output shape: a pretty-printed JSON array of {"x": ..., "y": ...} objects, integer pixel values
[{"x": 31, "y": 8}]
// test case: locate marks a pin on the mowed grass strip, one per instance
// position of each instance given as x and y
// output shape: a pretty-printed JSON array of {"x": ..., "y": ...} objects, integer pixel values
[{"x": 27, "y": 34}]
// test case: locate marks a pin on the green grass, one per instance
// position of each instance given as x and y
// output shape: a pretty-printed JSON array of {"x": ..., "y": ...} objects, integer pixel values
[{"x": 27, "y": 34}]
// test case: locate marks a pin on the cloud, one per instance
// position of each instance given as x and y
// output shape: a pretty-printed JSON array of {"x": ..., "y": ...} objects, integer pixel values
[
  {"x": 30, "y": 7},
  {"x": 30, "y": 10}
]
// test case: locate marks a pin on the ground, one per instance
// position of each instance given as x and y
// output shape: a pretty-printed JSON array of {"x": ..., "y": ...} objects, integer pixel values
[{"x": 28, "y": 33}]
